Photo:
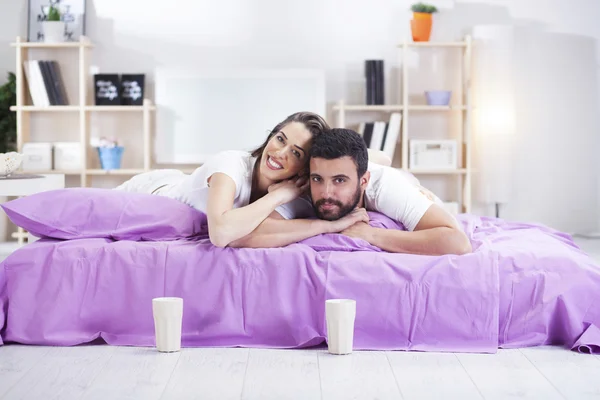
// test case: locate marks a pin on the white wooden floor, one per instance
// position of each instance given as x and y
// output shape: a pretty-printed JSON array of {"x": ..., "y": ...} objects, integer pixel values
[{"x": 107, "y": 372}]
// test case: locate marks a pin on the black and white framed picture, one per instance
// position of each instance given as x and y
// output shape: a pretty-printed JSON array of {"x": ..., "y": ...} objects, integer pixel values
[
  {"x": 72, "y": 13},
  {"x": 132, "y": 89},
  {"x": 106, "y": 89}
]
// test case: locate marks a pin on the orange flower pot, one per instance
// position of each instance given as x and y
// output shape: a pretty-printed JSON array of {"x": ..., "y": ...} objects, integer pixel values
[{"x": 420, "y": 26}]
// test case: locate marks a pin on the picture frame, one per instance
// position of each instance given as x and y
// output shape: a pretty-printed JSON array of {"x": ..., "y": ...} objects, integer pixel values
[
  {"x": 73, "y": 14},
  {"x": 107, "y": 89}
]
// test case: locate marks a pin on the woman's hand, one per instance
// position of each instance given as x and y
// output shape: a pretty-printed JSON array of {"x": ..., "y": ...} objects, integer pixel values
[{"x": 289, "y": 189}]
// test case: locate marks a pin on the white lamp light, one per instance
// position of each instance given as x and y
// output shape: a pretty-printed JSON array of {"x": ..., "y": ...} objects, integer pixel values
[{"x": 494, "y": 98}]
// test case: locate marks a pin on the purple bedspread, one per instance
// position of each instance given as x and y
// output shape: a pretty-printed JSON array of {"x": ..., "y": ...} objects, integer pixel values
[{"x": 523, "y": 285}]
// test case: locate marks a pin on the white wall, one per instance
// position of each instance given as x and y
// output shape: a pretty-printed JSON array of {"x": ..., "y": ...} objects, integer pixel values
[{"x": 336, "y": 35}]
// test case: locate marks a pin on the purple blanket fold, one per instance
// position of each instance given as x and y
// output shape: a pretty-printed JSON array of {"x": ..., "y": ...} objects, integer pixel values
[{"x": 523, "y": 285}]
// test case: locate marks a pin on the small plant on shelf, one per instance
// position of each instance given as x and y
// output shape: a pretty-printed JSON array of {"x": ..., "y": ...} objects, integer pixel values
[
  {"x": 422, "y": 21},
  {"x": 53, "y": 14},
  {"x": 54, "y": 28},
  {"x": 423, "y": 8}
]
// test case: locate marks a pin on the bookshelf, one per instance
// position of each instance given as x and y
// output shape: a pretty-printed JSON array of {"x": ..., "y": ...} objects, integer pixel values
[
  {"x": 80, "y": 107},
  {"x": 464, "y": 108}
]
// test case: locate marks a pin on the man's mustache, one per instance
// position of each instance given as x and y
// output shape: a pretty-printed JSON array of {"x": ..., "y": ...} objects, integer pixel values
[{"x": 319, "y": 203}]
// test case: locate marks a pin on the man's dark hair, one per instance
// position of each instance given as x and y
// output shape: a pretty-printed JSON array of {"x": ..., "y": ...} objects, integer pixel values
[{"x": 339, "y": 142}]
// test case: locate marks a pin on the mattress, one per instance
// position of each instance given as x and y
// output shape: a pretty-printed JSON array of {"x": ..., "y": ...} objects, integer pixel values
[{"x": 523, "y": 285}]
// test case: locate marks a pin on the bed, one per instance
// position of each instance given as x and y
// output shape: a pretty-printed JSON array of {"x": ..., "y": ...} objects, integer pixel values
[{"x": 93, "y": 277}]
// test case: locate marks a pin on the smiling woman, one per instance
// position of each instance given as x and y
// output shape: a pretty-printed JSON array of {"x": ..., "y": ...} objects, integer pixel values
[{"x": 236, "y": 189}]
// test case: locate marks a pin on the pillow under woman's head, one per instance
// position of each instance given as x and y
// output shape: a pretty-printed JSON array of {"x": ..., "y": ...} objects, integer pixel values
[{"x": 76, "y": 213}]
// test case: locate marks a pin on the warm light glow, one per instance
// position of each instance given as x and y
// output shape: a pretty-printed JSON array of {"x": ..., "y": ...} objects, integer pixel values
[
  {"x": 494, "y": 101},
  {"x": 494, "y": 80}
]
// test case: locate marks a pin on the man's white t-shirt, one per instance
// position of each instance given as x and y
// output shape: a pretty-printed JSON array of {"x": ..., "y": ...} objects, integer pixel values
[
  {"x": 398, "y": 195},
  {"x": 238, "y": 165}
]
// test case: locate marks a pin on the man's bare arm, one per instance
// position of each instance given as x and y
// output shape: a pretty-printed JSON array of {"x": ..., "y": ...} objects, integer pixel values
[{"x": 437, "y": 233}]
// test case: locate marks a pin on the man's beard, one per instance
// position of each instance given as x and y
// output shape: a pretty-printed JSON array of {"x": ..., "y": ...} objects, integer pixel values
[{"x": 342, "y": 209}]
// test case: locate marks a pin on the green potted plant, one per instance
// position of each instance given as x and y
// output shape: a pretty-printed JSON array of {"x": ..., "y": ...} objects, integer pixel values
[
  {"x": 422, "y": 21},
  {"x": 53, "y": 26},
  {"x": 8, "y": 118}
]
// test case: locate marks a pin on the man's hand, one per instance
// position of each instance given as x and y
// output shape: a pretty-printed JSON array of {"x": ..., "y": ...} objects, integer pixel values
[
  {"x": 359, "y": 230},
  {"x": 357, "y": 215}
]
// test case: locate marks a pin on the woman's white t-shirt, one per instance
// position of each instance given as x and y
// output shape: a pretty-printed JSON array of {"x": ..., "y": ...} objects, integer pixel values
[{"x": 238, "y": 165}]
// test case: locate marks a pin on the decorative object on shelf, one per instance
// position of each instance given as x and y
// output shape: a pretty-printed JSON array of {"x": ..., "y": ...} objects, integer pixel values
[
  {"x": 374, "y": 79},
  {"x": 438, "y": 97},
  {"x": 71, "y": 15},
  {"x": 422, "y": 21},
  {"x": 9, "y": 163},
  {"x": 53, "y": 26},
  {"x": 8, "y": 119},
  {"x": 132, "y": 89},
  {"x": 110, "y": 154},
  {"x": 433, "y": 154},
  {"x": 107, "y": 88}
]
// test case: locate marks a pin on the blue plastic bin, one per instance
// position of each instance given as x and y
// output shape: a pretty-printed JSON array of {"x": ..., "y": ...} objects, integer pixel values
[{"x": 110, "y": 157}]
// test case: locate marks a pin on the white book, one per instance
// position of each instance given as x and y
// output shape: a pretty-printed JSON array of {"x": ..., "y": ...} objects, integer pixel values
[
  {"x": 393, "y": 132},
  {"x": 36, "y": 72},
  {"x": 378, "y": 133},
  {"x": 30, "y": 84},
  {"x": 361, "y": 128}
]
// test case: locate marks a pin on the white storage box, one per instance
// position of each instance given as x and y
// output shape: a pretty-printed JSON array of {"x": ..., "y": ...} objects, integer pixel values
[
  {"x": 67, "y": 156},
  {"x": 452, "y": 207},
  {"x": 37, "y": 156},
  {"x": 433, "y": 154}
]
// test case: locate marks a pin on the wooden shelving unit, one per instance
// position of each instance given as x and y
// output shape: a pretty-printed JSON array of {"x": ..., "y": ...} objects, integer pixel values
[
  {"x": 81, "y": 107},
  {"x": 465, "y": 110}
]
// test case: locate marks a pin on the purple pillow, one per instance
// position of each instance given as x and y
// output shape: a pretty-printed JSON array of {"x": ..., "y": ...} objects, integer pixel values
[{"x": 76, "y": 213}]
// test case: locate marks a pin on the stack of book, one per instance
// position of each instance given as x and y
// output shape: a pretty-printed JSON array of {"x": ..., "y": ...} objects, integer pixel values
[
  {"x": 382, "y": 135},
  {"x": 45, "y": 82},
  {"x": 374, "y": 78}
]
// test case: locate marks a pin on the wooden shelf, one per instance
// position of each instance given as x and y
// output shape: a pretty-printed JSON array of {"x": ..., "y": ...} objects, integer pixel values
[
  {"x": 365, "y": 107},
  {"x": 436, "y": 108},
  {"x": 433, "y": 44},
  {"x": 78, "y": 108},
  {"x": 84, "y": 42},
  {"x": 119, "y": 108},
  {"x": 102, "y": 172},
  {"x": 421, "y": 171},
  {"x": 52, "y": 171},
  {"x": 133, "y": 171},
  {"x": 45, "y": 109},
  {"x": 398, "y": 107}
]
